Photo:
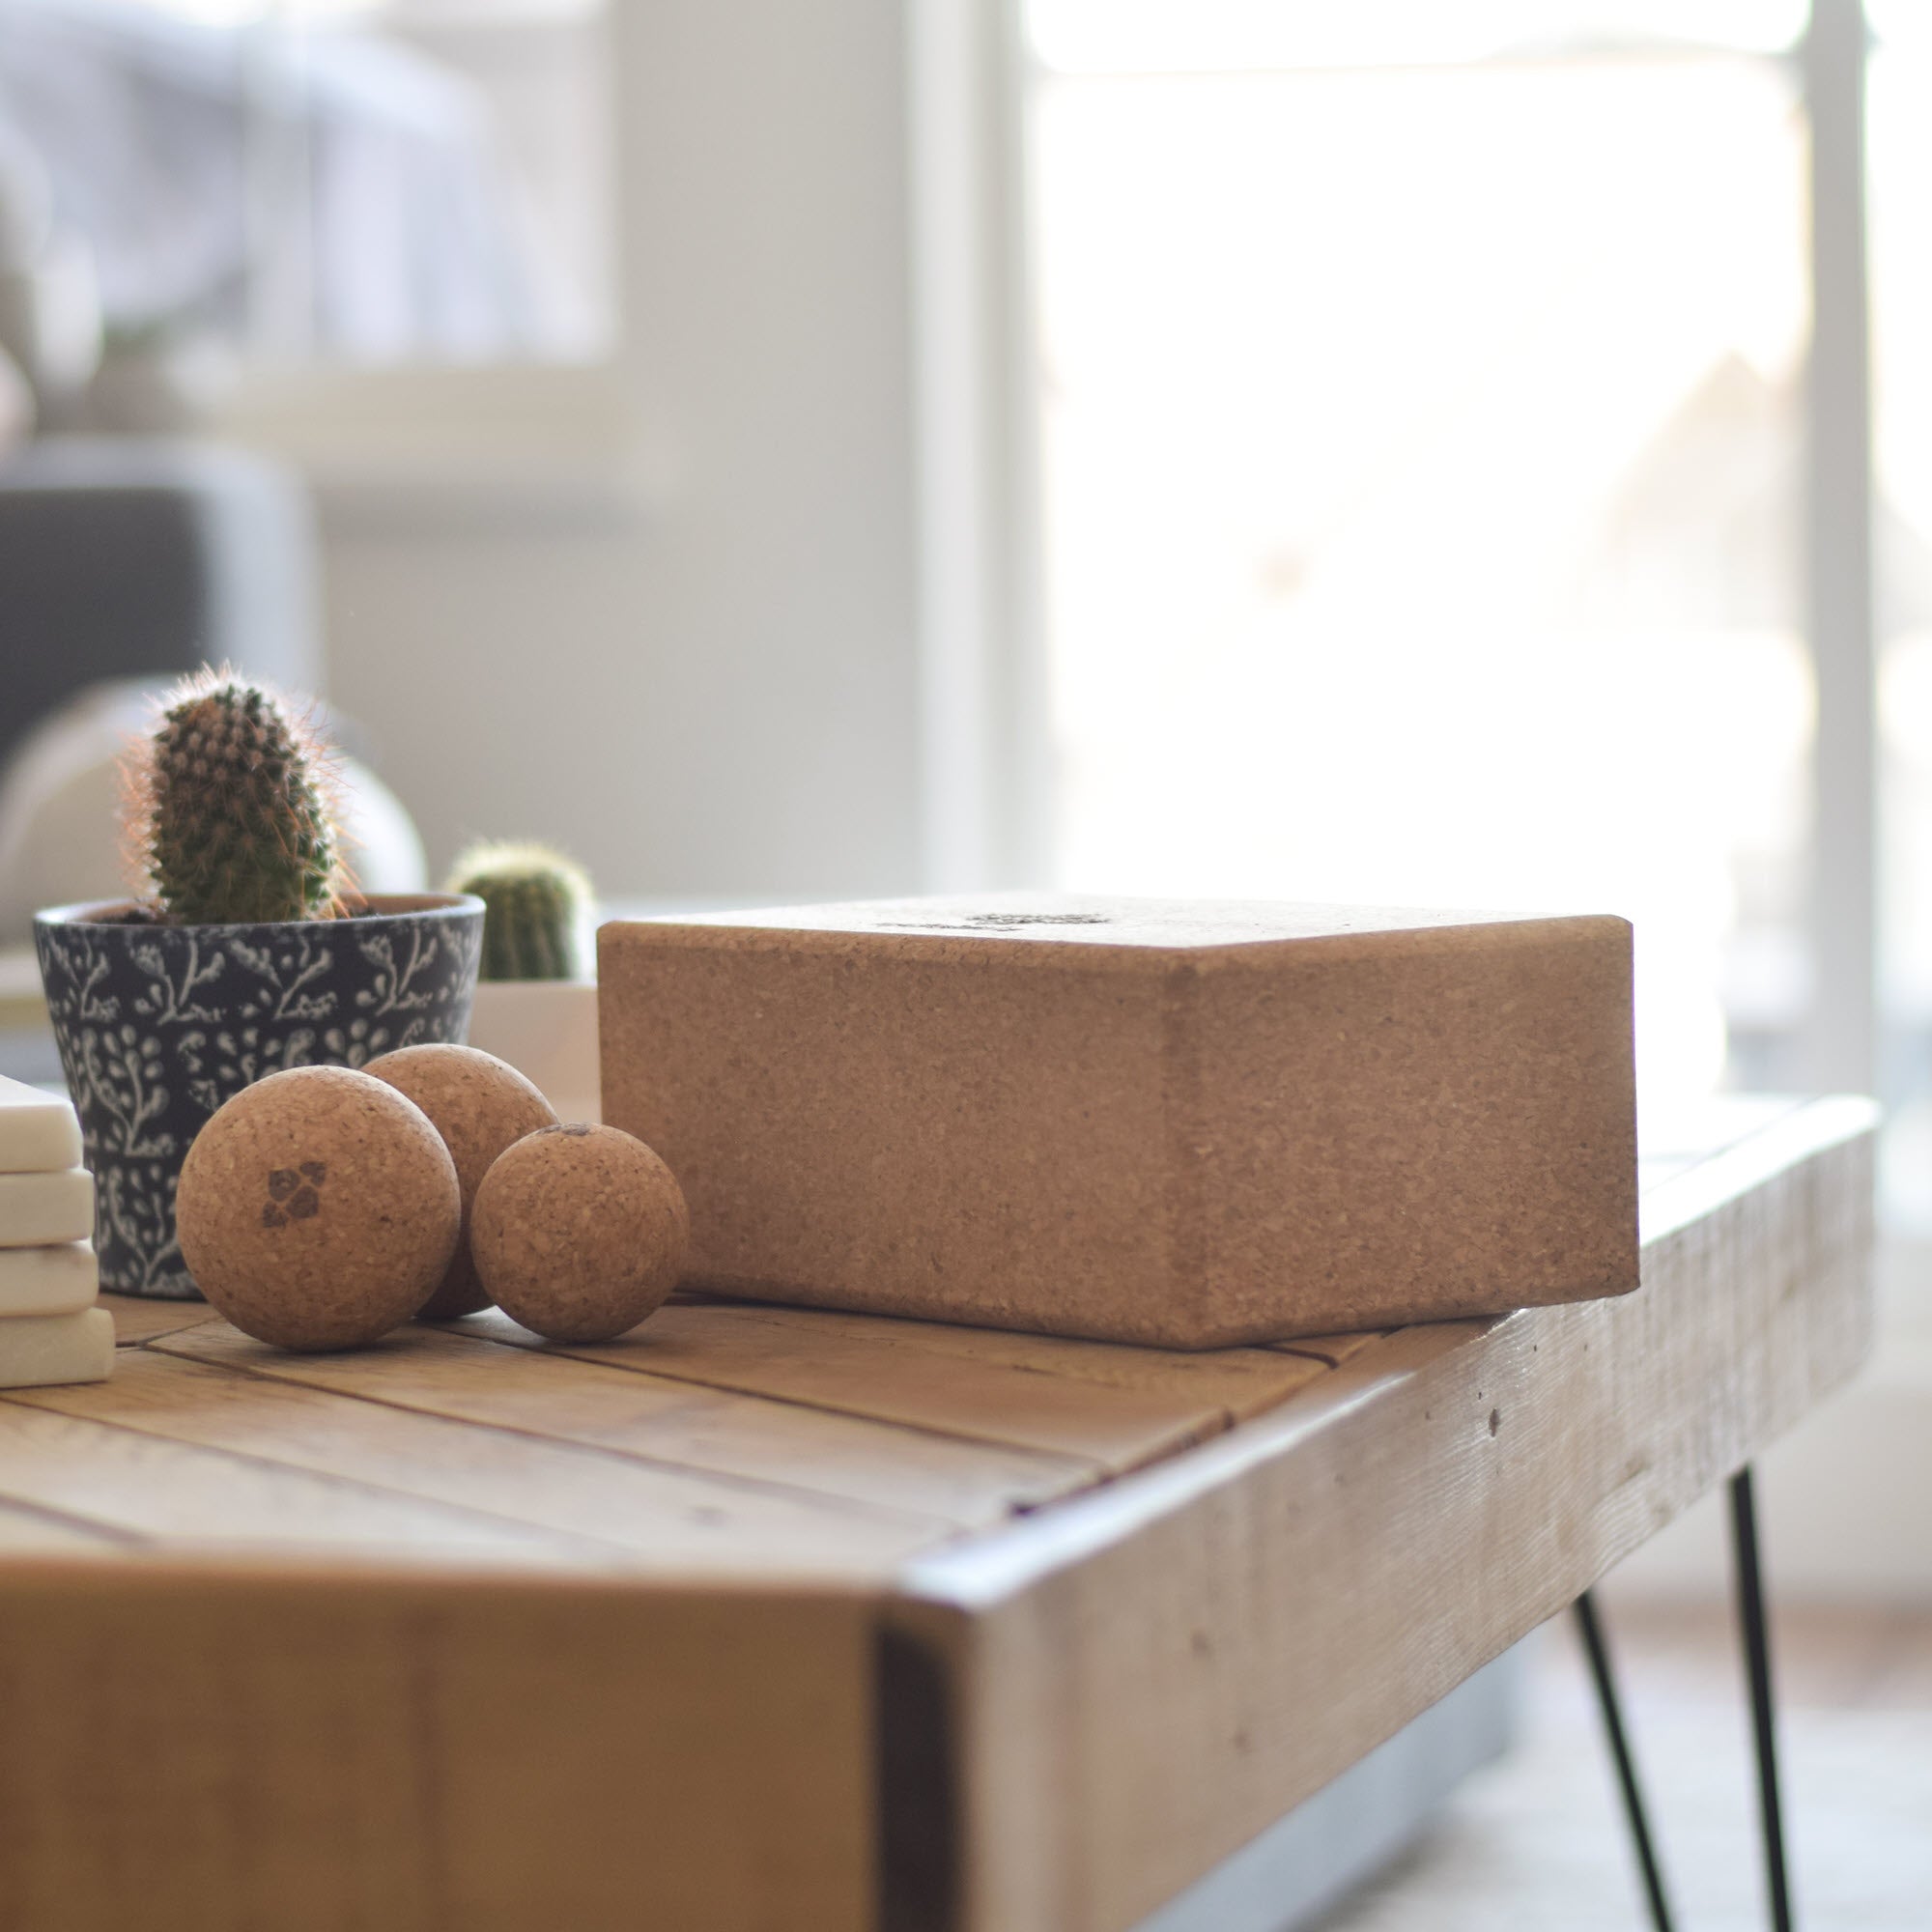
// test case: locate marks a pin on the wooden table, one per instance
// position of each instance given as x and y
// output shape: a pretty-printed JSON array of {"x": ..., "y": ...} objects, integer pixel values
[{"x": 788, "y": 1620}]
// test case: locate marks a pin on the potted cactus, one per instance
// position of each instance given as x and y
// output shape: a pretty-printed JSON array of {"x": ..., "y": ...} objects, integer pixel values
[
  {"x": 536, "y": 994},
  {"x": 245, "y": 950}
]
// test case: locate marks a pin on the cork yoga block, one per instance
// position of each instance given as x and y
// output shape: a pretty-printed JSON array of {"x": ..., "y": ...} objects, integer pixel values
[{"x": 1182, "y": 1123}]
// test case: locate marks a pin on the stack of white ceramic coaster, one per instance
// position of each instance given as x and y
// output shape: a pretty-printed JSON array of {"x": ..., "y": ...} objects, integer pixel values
[{"x": 51, "y": 1331}]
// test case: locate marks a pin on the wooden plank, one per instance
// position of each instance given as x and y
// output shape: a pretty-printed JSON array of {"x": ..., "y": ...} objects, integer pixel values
[
  {"x": 139, "y": 1318},
  {"x": 1256, "y": 1616},
  {"x": 25, "y": 1530},
  {"x": 1115, "y": 1407},
  {"x": 218, "y": 1751},
  {"x": 1652, "y": 1170},
  {"x": 681, "y": 1425},
  {"x": 1332, "y": 1351},
  {"x": 1695, "y": 1131},
  {"x": 1669, "y": 1151},
  {"x": 1239, "y": 1383},
  {"x": 1788, "y": 1131},
  {"x": 121, "y": 1480},
  {"x": 663, "y": 1519}
]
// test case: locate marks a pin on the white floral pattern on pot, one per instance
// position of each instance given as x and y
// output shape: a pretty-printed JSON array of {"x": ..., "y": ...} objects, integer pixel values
[{"x": 158, "y": 1025}]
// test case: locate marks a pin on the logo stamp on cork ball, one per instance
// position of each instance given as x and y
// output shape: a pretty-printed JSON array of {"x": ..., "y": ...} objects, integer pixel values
[{"x": 294, "y": 1193}]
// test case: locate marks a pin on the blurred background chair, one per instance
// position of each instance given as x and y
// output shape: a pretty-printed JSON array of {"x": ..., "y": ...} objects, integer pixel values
[{"x": 141, "y": 557}]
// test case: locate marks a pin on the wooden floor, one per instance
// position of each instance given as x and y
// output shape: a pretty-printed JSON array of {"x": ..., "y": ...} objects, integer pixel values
[{"x": 1538, "y": 1842}]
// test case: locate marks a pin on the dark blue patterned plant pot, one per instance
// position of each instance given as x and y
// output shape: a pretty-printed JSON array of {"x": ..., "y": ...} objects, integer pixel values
[{"x": 158, "y": 1025}]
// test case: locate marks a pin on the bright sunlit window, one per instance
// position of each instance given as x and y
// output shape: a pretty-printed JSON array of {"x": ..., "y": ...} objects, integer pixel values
[
  {"x": 1421, "y": 391},
  {"x": 349, "y": 182}
]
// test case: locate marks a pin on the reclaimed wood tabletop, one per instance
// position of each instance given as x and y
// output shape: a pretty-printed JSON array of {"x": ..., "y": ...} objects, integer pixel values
[{"x": 774, "y": 1618}]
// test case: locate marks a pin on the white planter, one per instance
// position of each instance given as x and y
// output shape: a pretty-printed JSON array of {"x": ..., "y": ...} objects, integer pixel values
[{"x": 546, "y": 1030}]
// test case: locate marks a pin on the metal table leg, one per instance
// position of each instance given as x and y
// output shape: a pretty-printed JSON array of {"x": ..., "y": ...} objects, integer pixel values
[
  {"x": 1632, "y": 1793},
  {"x": 1757, "y": 1662}
]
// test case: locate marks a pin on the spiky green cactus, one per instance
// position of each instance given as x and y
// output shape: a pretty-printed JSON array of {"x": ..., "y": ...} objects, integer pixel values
[
  {"x": 536, "y": 910},
  {"x": 231, "y": 815}
]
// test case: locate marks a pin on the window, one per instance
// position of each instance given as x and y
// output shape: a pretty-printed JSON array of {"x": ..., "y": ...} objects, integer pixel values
[{"x": 1421, "y": 392}]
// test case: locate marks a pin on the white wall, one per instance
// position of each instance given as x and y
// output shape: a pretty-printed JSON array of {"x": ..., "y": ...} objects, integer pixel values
[{"x": 717, "y": 694}]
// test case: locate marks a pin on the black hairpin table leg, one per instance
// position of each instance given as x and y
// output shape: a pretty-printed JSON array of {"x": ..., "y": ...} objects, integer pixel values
[
  {"x": 1758, "y": 1660},
  {"x": 1763, "y": 1714},
  {"x": 1632, "y": 1793}
]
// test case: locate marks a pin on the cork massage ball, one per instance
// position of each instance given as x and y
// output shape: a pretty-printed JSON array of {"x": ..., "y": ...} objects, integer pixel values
[
  {"x": 317, "y": 1208},
  {"x": 480, "y": 1105},
  {"x": 580, "y": 1232}
]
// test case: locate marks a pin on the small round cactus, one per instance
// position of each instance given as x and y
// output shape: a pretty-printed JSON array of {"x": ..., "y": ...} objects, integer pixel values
[
  {"x": 230, "y": 812},
  {"x": 537, "y": 911}
]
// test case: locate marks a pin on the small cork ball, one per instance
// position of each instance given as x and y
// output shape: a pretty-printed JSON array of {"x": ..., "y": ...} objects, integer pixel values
[
  {"x": 580, "y": 1232},
  {"x": 480, "y": 1105},
  {"x": 317, "y": 1208}
]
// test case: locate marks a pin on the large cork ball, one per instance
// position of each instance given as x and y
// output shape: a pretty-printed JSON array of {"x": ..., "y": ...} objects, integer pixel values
[
  {"x": 317, "y": 1208},
  {"x": 480, "y": 1105},
  {"x": 580, "y": 1232}
]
